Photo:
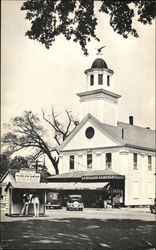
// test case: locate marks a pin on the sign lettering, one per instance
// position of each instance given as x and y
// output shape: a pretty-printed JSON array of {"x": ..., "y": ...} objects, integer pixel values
[
  {"x": 103, "y": 177},
  {"x": 27, "y": 176}
]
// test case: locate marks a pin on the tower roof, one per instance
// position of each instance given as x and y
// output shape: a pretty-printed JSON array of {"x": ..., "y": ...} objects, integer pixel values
[{"x": 99, "y": 63}]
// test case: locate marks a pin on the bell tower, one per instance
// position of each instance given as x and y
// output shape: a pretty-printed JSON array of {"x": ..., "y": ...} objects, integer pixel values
[{"x": 98, "y": 98}]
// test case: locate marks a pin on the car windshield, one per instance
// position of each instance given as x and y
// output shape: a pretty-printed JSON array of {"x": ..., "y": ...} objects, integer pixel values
[
  {"x": 53, "y": 196},
  {"x": 72, "y": 199}
]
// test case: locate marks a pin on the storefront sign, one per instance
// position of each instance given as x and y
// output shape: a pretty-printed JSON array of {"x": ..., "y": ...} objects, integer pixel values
[
  {"x": 103, "y": 177},
  {"x": 27, "y": 176}
]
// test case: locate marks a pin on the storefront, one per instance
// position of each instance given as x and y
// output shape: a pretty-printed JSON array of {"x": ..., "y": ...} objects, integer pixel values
[
  {"x": 25, "y": 181},
  {"x": 94, "y": 186},
  {"x": 15, "y": 193}
]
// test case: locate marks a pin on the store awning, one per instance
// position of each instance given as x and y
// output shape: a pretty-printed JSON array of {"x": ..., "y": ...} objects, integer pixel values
[
  {"x": 77, "y": 185},
  {"x": 90, "y": 186},
  {"x": 59, "y": 185},
  {"x": 62, "y": 185}
]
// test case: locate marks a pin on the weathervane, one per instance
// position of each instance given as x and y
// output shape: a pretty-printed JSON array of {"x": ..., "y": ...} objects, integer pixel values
[{"x": 99, "y": 52}]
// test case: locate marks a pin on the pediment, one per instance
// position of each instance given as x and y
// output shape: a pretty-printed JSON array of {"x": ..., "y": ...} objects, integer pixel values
[{"x": 78, "y": 139}]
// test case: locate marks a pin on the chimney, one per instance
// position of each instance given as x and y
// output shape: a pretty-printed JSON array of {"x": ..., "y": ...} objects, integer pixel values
[{"x": 131, "y": 120}]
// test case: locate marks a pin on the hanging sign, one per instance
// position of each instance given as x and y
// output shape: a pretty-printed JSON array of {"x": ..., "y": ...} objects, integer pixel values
[{"x": 27, "y": 176}]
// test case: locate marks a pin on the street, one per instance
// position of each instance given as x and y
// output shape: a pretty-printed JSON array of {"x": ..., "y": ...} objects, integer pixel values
[{"x": 90, "y": 229}]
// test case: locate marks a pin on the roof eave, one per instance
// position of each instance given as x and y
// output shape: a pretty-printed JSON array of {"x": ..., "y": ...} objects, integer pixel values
[{"x": 140, "y": 147}]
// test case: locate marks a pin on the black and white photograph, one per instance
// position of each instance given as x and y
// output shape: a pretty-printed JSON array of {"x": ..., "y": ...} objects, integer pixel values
[{"x": 78, "y": 148}]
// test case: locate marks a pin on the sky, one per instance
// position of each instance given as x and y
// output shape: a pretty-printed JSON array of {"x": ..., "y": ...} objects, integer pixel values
[{"x": 34, "y": 77}]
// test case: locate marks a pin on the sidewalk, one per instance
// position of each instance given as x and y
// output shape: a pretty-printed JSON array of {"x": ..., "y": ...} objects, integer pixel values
[{"x": 117, "y": 209}]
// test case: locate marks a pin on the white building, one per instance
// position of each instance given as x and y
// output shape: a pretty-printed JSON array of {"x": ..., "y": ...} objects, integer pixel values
[{"x": 101, "y": 146}]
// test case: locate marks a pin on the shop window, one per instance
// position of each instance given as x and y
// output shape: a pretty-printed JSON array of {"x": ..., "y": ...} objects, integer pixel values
[
  {"x": 108, "y": 80},
  {"x": 149, "y": 162},
  {"x": 71, "y": 162},
  {"x": 89, "y": 160},
  {"x": 91, "y": 80},
  {"x": 100, "y": 79},
  {"x": 108, "y": 160},
  {"x": 135, "y": 161}
]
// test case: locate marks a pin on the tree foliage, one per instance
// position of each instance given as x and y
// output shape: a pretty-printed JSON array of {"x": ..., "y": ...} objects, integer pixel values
[
  {"x": 26, "y": 132},
  {"x": 19, "y": 162},
  {"x": 4, "y": 164},
  {"x": 77, "y": 20},
  {"x": 7, "y": 163}
]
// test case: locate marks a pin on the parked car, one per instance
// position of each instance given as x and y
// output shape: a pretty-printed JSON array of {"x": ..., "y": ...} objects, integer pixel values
[
  {"x": 153, "y": 207},
  {"x": 53, "y": 200},
  {"x": 75, "y": 202}
]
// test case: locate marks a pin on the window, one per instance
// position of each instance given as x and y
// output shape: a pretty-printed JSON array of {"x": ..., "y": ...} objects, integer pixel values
[
  {"x": 149, "y": 162},
  {"x": 91, "y": 80},
  {"x": 108, "y": 80},
  {"x": 89, "y": 132},
  {"x": 135, "y": 158},
  {"x": 100, "y": 79},
  {"x": 89, "y": 161},
  {"x": 122, "y": 136},
  {"x": 71, "y": 161},
  {"x": 108, "y": 160}
]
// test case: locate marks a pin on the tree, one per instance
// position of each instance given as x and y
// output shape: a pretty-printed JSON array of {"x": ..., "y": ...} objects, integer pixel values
[
  {"x": 26, "y": 132},
  {"x": 4, "y": 164},
  {"x": 76, "y": 20},
  {"x": 17, "y": 163}
]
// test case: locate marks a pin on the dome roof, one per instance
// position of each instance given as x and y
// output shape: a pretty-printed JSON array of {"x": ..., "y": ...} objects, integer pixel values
[{"x": 99, "y": 63}]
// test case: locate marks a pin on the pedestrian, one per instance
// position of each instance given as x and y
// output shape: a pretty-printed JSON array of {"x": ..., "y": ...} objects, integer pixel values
[
  {"x": 109, "y": 203},
  {"x": 105, "y": 203},
  {"x": 26, "y": 201},
  {"x": 36, "y": 203}
]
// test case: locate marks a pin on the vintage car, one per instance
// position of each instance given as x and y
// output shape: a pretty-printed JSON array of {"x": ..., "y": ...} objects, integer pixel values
[
  {"x": 53, "y": 201},
  {"x": 75, "y": 202},
  {"x": 153, "y": 207}
]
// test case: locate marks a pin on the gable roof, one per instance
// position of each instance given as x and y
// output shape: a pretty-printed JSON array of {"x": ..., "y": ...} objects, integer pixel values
[
  {"x": 12, "y": 172},
  {"x": 137, "y": 136},
  {"x": 133, "y": 136},
  {"x": 86, "y": 118}
]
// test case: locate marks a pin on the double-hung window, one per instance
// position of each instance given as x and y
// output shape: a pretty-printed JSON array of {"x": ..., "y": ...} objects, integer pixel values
[
  {"x": 135, "y": 161},
  {"x": 149, "y": 162},
  {"x": 108, "y": 160},
  {"x": 71, "y": 161},
  {"x": 89, "y": 160}
]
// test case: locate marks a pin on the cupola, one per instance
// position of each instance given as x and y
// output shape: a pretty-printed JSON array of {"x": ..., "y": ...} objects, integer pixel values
[
  {"x": 98, "y": 97},
  {"x": 99, "y": 75},
  {"x": 99, "y": 63}
]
